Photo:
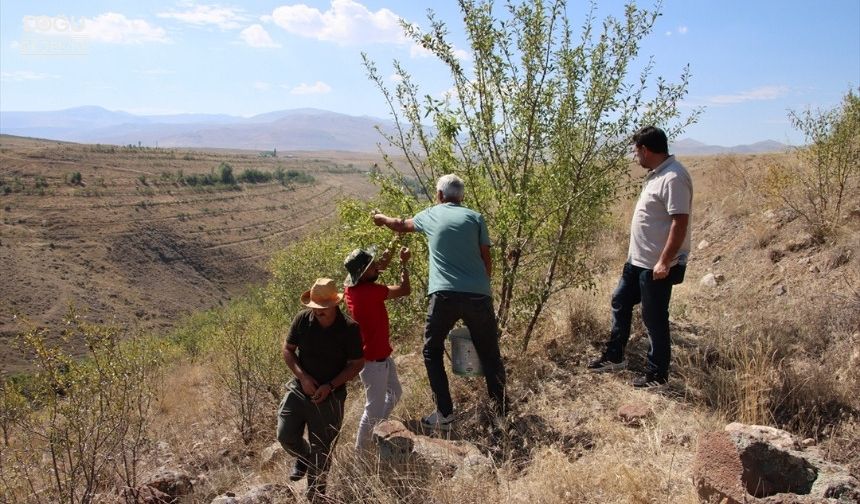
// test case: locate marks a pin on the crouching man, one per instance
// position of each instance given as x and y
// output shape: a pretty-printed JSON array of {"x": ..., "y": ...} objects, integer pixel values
[{"x": 323, "y": 350}]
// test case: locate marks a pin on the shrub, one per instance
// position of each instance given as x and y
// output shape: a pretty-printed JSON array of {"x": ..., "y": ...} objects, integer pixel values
[
  {"x": 74, "y": 178},
  {"x": 254, "y": 176},
  {"x": 224, "y": 174},
  {"x": 245, "y": 352},
  {"x": 826, "y": 170},
  {"x": 287, "y": 177},
  {"x": 82, "y": 424}
]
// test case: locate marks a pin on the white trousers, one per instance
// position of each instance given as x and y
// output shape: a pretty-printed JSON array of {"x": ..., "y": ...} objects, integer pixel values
[{"x": 382, "y": 388}]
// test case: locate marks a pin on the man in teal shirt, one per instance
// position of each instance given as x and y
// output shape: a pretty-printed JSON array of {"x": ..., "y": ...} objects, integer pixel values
[{"x": 459, "y": 289}]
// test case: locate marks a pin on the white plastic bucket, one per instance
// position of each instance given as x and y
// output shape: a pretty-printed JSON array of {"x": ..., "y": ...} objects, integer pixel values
[{"x": 464, "y": 358}]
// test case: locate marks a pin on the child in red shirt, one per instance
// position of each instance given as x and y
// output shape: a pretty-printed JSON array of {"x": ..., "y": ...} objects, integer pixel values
[{"x": 366, "y": 301}]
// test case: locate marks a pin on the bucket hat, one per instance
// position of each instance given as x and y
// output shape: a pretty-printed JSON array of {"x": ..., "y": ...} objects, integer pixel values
[{"x": 356, "y": 263}]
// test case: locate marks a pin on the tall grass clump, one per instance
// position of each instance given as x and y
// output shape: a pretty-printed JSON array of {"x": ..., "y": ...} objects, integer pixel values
[
  {"x": 774, "y": 372},
  {"x": 78, "y": 427}
]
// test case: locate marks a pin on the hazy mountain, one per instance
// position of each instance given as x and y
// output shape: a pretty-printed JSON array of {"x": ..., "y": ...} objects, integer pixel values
[
  {"x": 296, "y": 129},
  {"x": 299, "y": 129},
  {"x": 688, "y": 146}
]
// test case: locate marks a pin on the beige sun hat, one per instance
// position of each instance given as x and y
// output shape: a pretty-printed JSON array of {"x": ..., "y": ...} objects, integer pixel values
[{"x": 323, "y": 294}]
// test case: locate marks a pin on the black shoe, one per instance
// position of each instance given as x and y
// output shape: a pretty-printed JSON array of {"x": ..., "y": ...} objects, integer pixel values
[
  {"x": 604, "y": 364},
  {"x": 650, "y": 381},
  {"x": 300, "y": 468}
]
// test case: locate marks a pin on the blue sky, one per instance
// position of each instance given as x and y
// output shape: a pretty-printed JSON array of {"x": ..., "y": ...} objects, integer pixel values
[{"x": 751, "y": 60}]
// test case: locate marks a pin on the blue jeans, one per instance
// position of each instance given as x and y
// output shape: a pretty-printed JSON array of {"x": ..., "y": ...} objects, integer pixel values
[
  {"x": 638, "y": 285},
  {"x": 476, "y": 312}
]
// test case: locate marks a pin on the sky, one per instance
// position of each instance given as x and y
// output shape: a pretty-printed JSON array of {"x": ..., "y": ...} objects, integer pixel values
[{"x": 751, "y": 60}]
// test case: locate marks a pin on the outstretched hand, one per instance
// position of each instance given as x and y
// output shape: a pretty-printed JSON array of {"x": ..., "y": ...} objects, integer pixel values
[
  {"x": 405, "y": 254},
  {"x": 379, "y": 219}
]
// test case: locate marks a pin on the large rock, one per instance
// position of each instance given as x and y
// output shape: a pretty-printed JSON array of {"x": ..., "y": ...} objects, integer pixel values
[
  {"x": 401, "y": 448},
  {"x": 760, "y": 464}
]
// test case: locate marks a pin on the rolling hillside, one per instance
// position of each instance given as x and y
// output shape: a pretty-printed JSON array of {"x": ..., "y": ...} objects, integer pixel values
[{"x": 133, "y": 245}]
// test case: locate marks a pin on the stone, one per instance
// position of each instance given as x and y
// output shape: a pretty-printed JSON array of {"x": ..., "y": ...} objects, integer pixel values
[
  {"x": 779, "y": 290},
  {"x": 634, "y": 413},
  {"x": 147, "y": 495},
  {"x": 172, "y": 482},
  {"x": 761, "y": 464},
  {"x": 709, "y": 280},
  {"x": 703, "y": 245},
  {"x": 400, "y": 448},
  {"x": 775, "y": 255},
  {"x": 838, "y": 258},
  {"x": 801, "y": 243},
  {"x": 814, "y": 269},
  {"x": 272, "y": 456}
]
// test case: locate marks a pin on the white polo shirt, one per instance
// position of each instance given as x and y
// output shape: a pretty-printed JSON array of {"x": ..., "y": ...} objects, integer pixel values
[{"x": 667, "y": 191}]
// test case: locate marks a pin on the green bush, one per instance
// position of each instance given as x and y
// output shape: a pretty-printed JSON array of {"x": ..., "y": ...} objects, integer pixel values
[
  {"x": 74, "y": 178},
  {"x": 827, "y": 168},
  {"x": 224, "y": 174},
  {"x": 287, "y": 177},
  {"x": 254, "y": 176}
]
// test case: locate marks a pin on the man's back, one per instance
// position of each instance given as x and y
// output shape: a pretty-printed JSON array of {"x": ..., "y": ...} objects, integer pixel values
[
  {"x": 366, "y": 302},
  {"x": 454, "y": 236}
]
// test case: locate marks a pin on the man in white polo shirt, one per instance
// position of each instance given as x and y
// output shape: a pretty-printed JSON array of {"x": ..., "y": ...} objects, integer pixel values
[{"x": 656, "y": 258}]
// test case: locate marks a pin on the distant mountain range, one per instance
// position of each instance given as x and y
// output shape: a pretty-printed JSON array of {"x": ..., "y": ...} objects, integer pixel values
[{"x": 298, "y": 129}]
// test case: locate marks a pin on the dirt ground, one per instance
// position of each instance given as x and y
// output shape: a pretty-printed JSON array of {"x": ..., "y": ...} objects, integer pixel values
[{"x": 132, "y": 247}]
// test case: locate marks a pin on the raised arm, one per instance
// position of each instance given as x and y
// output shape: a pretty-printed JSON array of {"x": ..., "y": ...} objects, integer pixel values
[
  {"x": 398, "y": 225},
  {"x": 404, "y": 288}
]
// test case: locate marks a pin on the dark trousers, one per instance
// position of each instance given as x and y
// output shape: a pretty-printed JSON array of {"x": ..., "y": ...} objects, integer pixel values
[
  {"x": 323, "y": 422},
  {"x": 637, "y": 285},
  {"x": 476, "y": 312}
]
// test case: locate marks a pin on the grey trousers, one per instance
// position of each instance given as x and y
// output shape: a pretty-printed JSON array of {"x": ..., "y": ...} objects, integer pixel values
[
  {"x": 323, "y": 422},
  {"x": 382, "y": 389}
]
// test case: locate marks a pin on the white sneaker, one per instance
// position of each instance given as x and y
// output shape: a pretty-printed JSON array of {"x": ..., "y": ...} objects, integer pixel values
[{"x": 437, "y": 420}]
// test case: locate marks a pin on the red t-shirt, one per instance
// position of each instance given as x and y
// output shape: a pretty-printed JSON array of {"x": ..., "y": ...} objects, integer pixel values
[{"x": 366, "y": 302}]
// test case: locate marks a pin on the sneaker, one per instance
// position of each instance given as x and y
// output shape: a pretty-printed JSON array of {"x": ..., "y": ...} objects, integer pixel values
[
  {"x": 437, "y": 420},
  {"x": 650, "y": 381},
  {"x": 299, "y": 470},
  {"x": 604, "y": 364}
]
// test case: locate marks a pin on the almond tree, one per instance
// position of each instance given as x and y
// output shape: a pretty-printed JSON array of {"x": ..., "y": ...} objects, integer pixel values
[{"x": 538, "y": 124}]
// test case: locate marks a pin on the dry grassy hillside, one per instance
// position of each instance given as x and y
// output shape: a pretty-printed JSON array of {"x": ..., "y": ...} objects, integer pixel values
[
  {"x": 776, "y": 342},
  {"x": 131, "y": 244}
]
